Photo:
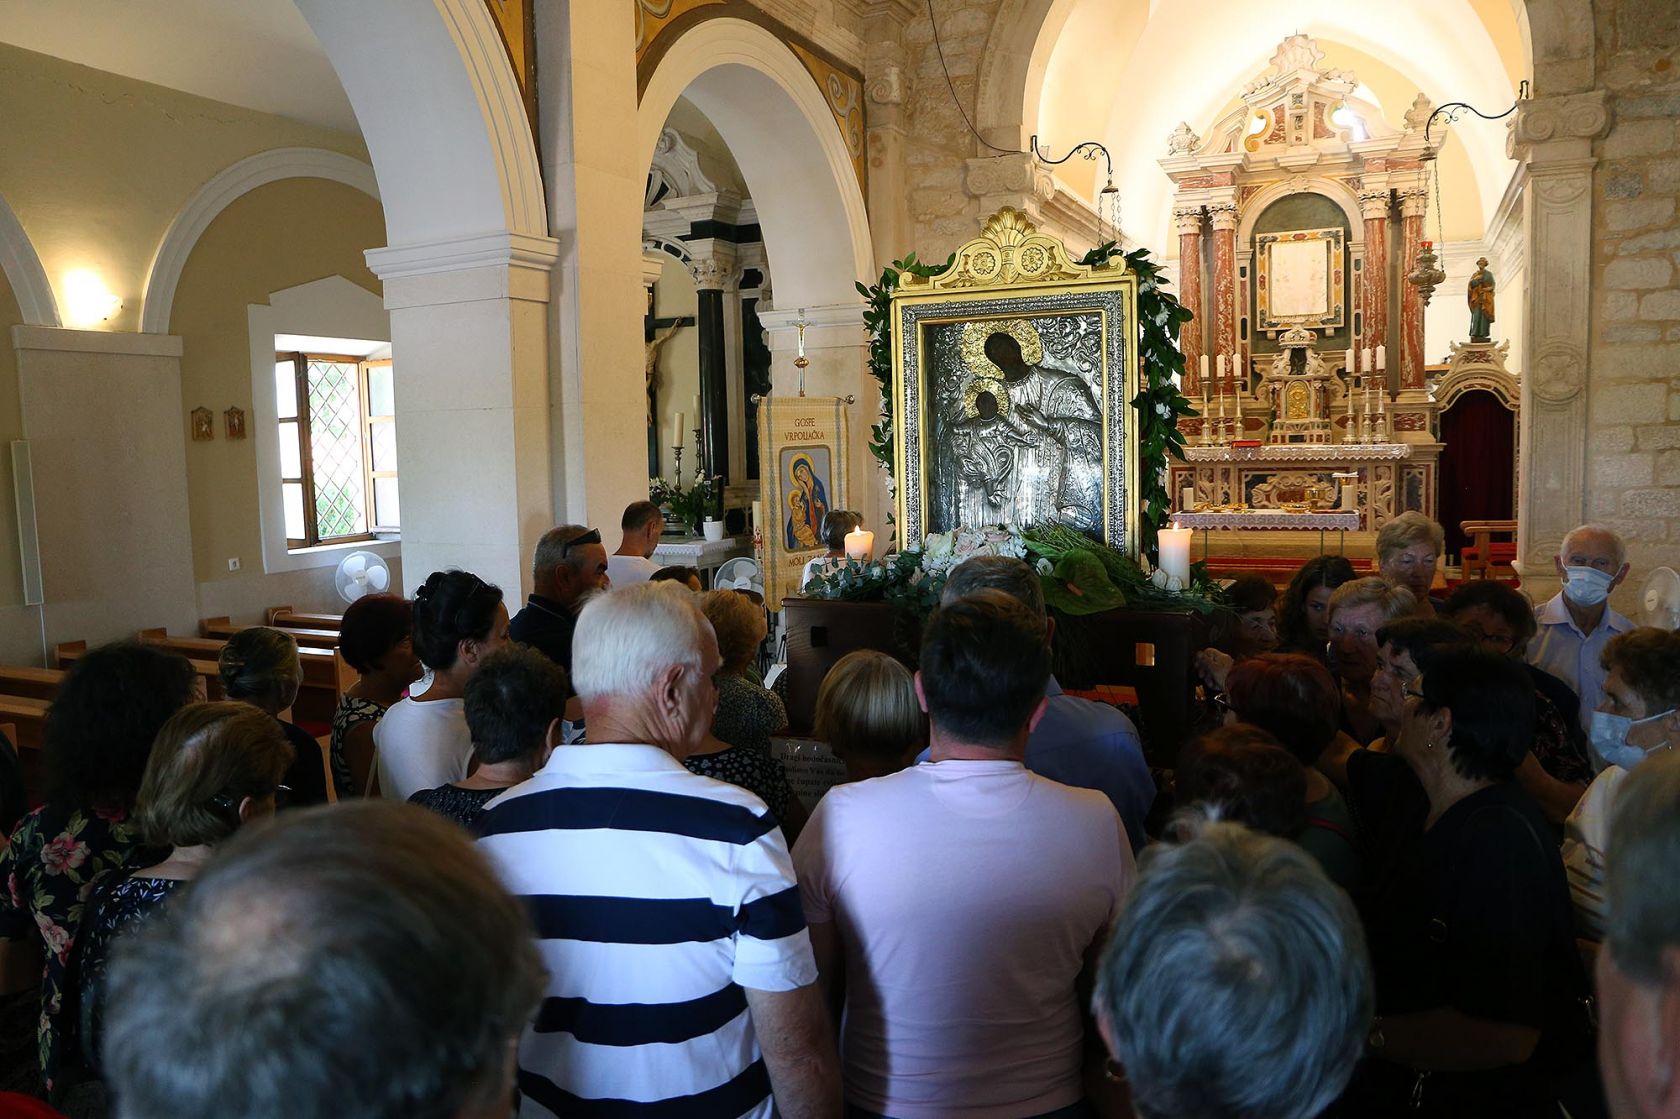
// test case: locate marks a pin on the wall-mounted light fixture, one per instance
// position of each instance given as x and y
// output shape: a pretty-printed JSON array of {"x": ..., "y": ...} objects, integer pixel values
[{"x": 87, "y": 301}]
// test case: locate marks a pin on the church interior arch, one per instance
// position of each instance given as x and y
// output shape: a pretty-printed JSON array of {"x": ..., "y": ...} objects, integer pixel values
[{"x": 776, "y": 220}]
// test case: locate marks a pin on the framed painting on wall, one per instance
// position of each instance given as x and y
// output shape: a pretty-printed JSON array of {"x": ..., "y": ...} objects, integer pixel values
[{"x": 1300, "y": 279}]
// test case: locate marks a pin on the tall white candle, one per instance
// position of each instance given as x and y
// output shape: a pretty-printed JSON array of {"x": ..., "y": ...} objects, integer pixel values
[
  {"x": 1365, "y": 360},
  {"x": 1382, "y": 357},
  {"x": 758, "y": 514},
  {"x": 1174, "y": 545},
  {"x": 678, "y": 442},
  {"x": 1347, "y": 362},
  {"x": 1204, "y": 368},
  {"x": 1222, "y": 373},
  {"x": 1187, "y": 499}
]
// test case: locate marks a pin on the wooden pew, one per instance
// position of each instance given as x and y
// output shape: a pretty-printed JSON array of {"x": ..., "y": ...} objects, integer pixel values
[
  {"x": 317, "y": 699},
  {"x": 224, "y": 628},
  {"x": 66, "y": 653},
  {"x": 27, "y": 717},
  {"x": 29, "y": 682},
  {"x": 284, "y": 617}
]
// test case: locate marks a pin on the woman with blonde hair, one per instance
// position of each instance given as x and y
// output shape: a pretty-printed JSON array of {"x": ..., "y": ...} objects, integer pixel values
[
  {"x": 737, "y": 749},
  {"x": 1408, "y": 552},
  {"x": 214, "y": 768},
  {"x": 868, "y": 714},
  {"x": 1357, "y": 610},
  {"x": 260, "y": 666}
]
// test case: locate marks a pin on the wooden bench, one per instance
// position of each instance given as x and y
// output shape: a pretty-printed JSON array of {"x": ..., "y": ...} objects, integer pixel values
[
  {"x": 317, "y": 699},
  {"x": 66, "y": 653},
  {"x": 1487, "y": 558},
  {"x": 224, "y": 628},
  {"x": 29, "y": 682},
  {"x": 27, "y": 718},
  {"x": 284, "y": 617}
]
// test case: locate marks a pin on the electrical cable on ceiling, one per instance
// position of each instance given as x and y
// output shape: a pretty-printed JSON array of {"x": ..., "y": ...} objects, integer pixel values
[{"x": 957, "y": 101}]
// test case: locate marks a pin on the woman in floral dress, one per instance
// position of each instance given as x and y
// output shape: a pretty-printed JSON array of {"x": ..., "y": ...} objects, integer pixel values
[{"x": 98, "y": 736}]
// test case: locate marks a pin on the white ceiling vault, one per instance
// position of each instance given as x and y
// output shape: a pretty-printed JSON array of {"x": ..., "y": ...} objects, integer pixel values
[{"x": 257, "y": 54}]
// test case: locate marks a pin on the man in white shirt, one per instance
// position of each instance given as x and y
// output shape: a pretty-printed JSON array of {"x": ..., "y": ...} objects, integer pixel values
[
  {"x": 1577, "y": 622},
  {"x": 681, "y": 980},
  {"x": 960, "y": 905},
  {"x": 631, "y": 564}
]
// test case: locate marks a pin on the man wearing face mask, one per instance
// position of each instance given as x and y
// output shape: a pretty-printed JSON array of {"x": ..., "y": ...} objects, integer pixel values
[
  {"x": 1638, "y": 717},
  {"x": 1577, "y": 623}
]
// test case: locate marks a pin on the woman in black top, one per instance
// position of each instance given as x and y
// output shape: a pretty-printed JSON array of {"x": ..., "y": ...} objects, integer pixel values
[
  {"x": 1479, "y": 987},
  {"x": 514, "y": 705},
  {"x": 260, "y": 666}
]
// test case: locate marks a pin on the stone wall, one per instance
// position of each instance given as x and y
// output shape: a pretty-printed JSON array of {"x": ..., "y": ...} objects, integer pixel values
[
  {"x": 943, "y": 212},
  {"x": 1633, "y": 449}
]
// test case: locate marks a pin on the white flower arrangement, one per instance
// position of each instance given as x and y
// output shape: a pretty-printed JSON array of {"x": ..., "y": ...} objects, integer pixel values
[{"x": 941, "y": 551}]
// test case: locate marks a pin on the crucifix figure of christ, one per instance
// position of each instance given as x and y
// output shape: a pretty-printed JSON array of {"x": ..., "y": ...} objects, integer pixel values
[{"x": 655, "y": 333}]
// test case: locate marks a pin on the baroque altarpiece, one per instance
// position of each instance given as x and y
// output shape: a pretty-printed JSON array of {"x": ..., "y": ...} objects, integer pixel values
[{"x": 1298, "y": 218}]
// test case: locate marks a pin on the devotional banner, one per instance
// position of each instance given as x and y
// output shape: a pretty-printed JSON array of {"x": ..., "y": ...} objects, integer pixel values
[{"x": 803, "y": 474}]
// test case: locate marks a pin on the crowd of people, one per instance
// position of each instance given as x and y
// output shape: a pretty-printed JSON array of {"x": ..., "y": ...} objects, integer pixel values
[{"x": 1417, "y": 861}]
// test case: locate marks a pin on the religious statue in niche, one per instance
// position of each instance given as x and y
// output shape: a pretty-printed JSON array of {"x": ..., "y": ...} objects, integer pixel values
[
  {"x": 1481, "y": 303},
  {"x": 234, "y": 421},
  {"x": 1013, "y": 376},
  {"x": 203, "y": 425}
]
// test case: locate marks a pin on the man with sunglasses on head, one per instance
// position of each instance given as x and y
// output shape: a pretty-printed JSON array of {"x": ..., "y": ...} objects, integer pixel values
[{"x": 570, "y": 565}]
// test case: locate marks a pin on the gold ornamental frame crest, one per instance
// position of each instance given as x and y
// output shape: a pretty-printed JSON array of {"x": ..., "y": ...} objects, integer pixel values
[
  {"x": 1009, "y": 250},
  {"x": 1063, "y": 444}
]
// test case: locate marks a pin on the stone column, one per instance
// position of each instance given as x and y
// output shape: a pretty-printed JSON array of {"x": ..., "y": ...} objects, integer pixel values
[
  {"x": 1189, "y": 221},
  {"x": 1016, "y": 180},
  {"x": 597, "y": 394},
  {"x": 1413, "y": 205},
  {"x": 715, "y": 271},
  {"x": 469, "y": 328},
  {"x": 1224, "y": 299},
  {"x": 1553, "y": 136},
  {"x": 886, "y": 87},
  {"x": 1374, "y": 206}
]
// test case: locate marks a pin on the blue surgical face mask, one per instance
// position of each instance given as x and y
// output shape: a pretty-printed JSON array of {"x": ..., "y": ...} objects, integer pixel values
[
  {"x": 1609, "y": 737},
  {"x": 1586, "y": 586}
]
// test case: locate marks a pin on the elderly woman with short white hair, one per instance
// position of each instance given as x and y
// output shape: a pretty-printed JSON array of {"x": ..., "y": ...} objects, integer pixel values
[
  {"x": 1237, "y": 982},
  {"x": 1408, "y": 553}
]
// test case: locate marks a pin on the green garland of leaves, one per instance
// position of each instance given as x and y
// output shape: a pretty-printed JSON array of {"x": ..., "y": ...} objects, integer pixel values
[{"x": 1158, "y": 402}]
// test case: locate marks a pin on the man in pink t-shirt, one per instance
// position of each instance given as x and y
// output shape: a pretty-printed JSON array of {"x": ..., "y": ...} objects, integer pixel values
[{"x": 958, "y": 907}]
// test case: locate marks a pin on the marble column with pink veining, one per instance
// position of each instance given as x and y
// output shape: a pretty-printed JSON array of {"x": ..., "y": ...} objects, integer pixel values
[
  {"x": 1224, "y": 302},
  {"x": 1373, "y": 282},
  {"x": 1412, "y": 206},
  {"x": 1189, "y": 221}
]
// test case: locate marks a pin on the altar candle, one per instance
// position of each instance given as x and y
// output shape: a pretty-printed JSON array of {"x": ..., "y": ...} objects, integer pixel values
[
  {"x": 860, "y": 544},
  {"x": 1187, "y": 499},
  {"x": 1382, "y": 358},
  {"x": 1347, "y": 363},
  {"x": 1204, "y": 372},
  {"x": 757, "y": 514},
  {"x": 1174, "y": 544},
  {"x": 679, "y": 439},
  {"x": 1365, "y": 360}
]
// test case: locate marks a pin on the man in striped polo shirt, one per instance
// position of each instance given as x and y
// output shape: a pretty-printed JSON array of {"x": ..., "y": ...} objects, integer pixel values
[{"x": 665, "y": 906}]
